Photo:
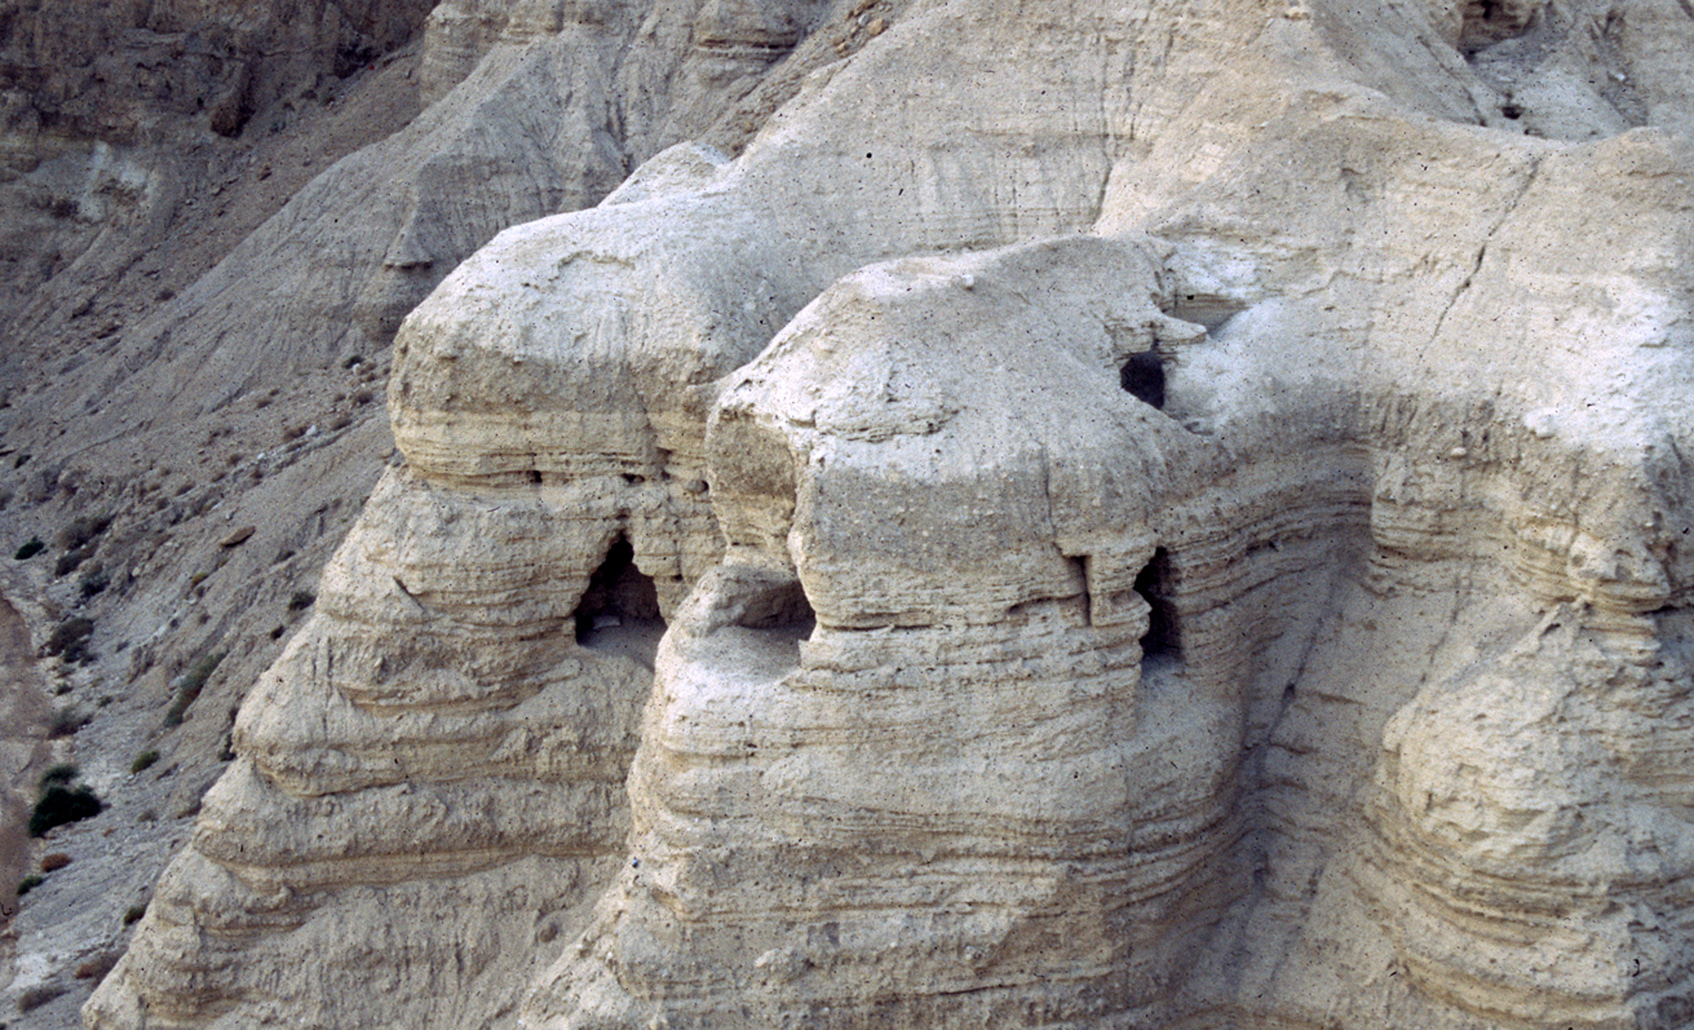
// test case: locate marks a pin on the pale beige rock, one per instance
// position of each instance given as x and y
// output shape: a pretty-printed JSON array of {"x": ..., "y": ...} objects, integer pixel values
[
  {"x": 1164, "y": 518},
  {"x": 480, "y": 772},
  {"x": 151, "y": 374}
]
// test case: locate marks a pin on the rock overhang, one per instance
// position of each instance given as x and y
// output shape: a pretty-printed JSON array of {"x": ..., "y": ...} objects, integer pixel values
[
  {"x": 914, "y": 662},
  {"x": 948, "y": 420}
]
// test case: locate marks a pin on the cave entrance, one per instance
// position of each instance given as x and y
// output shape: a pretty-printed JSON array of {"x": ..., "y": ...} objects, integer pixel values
[
  {"x": 1486, "y": 22},
  {"x": 778, "y": 608},
  {"x": 1163, "y": 640},
  {"x": 1143, "y": 377},
  {"x": 778, "y": 604},
  {"x": 619, "y": 612}
]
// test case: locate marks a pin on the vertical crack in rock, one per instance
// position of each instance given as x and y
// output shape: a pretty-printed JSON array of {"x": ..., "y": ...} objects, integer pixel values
[{"x": 1528, "y": 179}]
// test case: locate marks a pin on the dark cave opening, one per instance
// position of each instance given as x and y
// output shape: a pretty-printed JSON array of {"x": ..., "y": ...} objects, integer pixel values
[
  {"x": 776, "y": 608},
  {"x": 1486, "y": 22},
  {"x": 1163, "y": 639},
  {"x": 620, "y": 609},
  {"x": 779, "y": 606},
  {"x": 1143, "y": 377}
]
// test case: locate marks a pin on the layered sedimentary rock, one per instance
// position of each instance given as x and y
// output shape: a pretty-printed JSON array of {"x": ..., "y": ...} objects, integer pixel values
[
  {"x": 483, "y": 771},
  {"x": 1161, "y": 515}
]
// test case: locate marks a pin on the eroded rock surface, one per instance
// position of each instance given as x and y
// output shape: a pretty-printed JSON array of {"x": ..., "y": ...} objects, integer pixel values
[
  {"x": 1160, "y": 515},
  {"x": 197, "y": 313}
]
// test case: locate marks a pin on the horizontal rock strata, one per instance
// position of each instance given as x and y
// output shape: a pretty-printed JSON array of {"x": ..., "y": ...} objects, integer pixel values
[{"x": 1192, "y": 537}]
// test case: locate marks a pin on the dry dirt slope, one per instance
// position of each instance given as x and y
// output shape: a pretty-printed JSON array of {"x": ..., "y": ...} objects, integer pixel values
[
  {"x": 196, "y": 308},
  {"x": 114, "y": 203}
]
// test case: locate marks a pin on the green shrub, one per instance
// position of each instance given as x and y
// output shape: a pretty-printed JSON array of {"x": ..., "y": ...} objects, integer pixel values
[
  {"x": 134, "y": 913},
  {"x": 70, "y": 638},
  {"x": 39, "y": 995},
  {"x": 144, "y": 760},
  {"x": 301, "y": 601},
  {"x": 62, "y": 773},
  {"x": 69, "y": 561},
  {"x": 94, "y": 580},
  {"x": 66, "y": 721},
  {"x": 189, "y": 685},
  {"x": 60, "y": 804},
  {"x": 29, "y": 883},
  {"x": 82, "y": 530},
  {"x": 97, "y": 967},
  {"x": 30, "y": 549}
]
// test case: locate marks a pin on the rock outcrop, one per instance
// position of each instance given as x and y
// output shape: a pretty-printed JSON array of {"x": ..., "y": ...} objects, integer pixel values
[
  {"x": 1159, "y": 515},
  {"x": 197, "y": 316}
]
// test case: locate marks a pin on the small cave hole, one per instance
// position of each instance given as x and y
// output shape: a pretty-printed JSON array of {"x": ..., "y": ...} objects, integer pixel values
[
  {"x": 1486, "y": 22},
  {"x": 620, "y": 609},
  {"x": 1163, "y": 639},
  {"x": 779, "y": 610},
  {"x": 1143, "y": 377},
  {"x": 784, "y": 607}
]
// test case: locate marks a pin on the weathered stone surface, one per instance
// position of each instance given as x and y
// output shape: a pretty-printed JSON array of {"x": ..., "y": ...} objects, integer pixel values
[
  {"x": 1163, "y": 515},
  {"x": 189, "y": 350}
]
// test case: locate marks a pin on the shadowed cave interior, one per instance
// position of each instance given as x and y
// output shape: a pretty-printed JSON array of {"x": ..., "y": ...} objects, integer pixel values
[
  {"x": 1143, "y": 377},
  {"x": 619, "y": 612},
  {"x": 1162, "y": 643}
]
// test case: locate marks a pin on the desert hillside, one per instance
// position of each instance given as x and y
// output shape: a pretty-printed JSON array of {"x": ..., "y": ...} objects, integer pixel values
[{"x": 847, "y": 513}]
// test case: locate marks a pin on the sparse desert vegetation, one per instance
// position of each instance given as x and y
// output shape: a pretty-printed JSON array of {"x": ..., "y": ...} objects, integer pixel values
[{"x": 62, "y": 801}]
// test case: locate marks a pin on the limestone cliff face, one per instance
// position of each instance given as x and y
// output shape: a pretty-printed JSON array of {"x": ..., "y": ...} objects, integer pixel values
[
  {"x": 1160, "y": 515},
  {"x": 494, "y": 790}
]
